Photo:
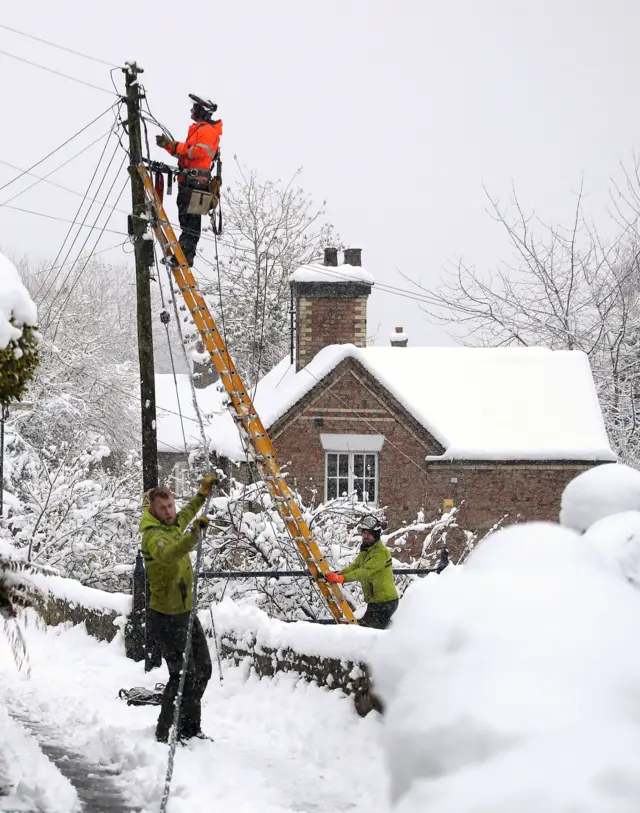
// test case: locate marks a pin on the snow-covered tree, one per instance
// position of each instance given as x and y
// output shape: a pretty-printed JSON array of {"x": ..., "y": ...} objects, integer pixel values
[
  {"x": 88, "y": 359},
  {"x": 247, "y": 533},
  {"x": 271, "y": 228},
  {"x": 563, "y": 289}
]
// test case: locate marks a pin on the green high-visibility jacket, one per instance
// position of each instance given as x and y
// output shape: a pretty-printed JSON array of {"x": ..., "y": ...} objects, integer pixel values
[
  {"x": 165, "y": 550},
  {"x": 372, "y": 567}
]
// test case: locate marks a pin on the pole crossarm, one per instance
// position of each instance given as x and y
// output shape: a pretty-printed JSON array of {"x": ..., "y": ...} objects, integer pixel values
[{"x": 243, "y": 411}]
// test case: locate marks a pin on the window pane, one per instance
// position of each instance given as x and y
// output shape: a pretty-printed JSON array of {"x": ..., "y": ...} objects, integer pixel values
[
  {"x": 358, "y": 465},
  {"x": 343, "y": 486},
  {"x": 343, "y": 465},
  {"x": 370, "y": 465},
  {"x": 332, "y": 489},
  {"x": 358, "y": 487},
  {"x": 371, "y": 490},
  {"x": 332, "y": 465}
]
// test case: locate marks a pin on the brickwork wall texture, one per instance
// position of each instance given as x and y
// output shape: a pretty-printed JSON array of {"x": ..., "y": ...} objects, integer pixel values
[
  {"x": 323, "y": 321},
  {"x": 349, "y": 401}
]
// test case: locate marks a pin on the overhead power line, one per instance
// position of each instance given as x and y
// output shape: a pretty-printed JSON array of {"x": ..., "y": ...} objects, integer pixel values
[
  {"x": 58, "y": 73},
  {"x": 61, "y": 219},
  {"x": 57, "y": 149},
  {"x": 55, "y": 45},
  {"x": 46, "y": 177}
]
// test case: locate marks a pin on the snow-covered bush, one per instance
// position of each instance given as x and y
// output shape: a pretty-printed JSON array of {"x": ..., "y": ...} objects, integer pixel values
[
  {"x": 18, "y": 337},
  {"x": 67, "y": 510},
  {"x": 599, "y": 492},
  {"x": 247, "y": 534},
  {"x": 512, "y": 683}
]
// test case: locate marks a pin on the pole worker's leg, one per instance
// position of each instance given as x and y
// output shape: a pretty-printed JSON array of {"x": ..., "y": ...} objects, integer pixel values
[
  {"x": 191, "y": 225},
  {"x": 379, "y": 615},
  {"x": 200, "y": 662},
  {"x": 172, "y": 635}
]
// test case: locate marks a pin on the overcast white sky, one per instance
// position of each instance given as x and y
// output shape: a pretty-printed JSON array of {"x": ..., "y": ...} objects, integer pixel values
[{"x": 397, "y": 111}]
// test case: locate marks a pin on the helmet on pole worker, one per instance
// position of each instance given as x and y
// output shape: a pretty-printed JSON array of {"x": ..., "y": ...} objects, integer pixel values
[{"x": 196, "y": 156}]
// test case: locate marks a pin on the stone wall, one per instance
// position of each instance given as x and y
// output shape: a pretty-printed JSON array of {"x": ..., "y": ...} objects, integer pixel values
[{"x": 351, "y": 677}]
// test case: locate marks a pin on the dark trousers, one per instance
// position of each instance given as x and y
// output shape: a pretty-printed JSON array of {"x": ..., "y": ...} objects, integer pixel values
[
  {"x": 171, "y": 631},
  {"x": 379, "y": 615},
  {"x": 191, "y": 225}
]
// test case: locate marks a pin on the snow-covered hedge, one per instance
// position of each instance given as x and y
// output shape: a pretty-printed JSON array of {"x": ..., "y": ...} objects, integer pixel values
[
  {"x": 18, "y": 337},
  {"x": 513, "y": 683}
]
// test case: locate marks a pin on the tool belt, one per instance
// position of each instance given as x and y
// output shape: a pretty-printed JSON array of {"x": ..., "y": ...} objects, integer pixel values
[{"x": 202, "y": 175}]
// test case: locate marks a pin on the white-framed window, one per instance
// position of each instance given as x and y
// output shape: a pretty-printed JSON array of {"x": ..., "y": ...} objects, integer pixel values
[{"x": 349, "y": 473}]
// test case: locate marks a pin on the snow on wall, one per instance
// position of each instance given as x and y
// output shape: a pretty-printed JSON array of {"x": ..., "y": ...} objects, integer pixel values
[
  {"x": 479, "y": 403},
  {"x": 249, "y": 623},
  {"x": 74, "y": 593},
  {"x": 14, "y": 301}
]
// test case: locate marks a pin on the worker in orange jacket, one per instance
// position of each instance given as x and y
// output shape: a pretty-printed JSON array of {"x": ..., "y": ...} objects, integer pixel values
[{"x": 195, "y": 158}]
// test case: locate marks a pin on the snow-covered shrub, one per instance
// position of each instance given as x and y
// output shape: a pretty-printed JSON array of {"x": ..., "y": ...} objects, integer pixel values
[
  {"x": 18, "y": 337},
  {"x": 512, "y": 683},
  {"x": 599, "y": 492},
  {"x": 67, "y": 510}
]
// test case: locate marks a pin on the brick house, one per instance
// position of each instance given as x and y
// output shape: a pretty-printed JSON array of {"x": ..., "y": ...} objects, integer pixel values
[{"x": 495, "y": 430}]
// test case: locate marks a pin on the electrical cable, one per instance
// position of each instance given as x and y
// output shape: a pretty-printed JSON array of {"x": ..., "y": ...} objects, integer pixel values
[
  {"x": 57, "y": 73},
  {"x": 64, "y": 143},
  {"x": 45, "y": 178},
  {"x": 55, "y": 45},
  {"x": 69, "y": 230},
  {"x": 59, "y": 219},
  {"x": 75, "y": 282}
]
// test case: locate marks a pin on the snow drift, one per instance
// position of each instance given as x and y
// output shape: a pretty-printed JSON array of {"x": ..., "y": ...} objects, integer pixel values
[{"x": 511, "y": 684}]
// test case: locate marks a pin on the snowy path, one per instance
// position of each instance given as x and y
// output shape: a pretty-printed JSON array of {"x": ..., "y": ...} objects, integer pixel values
[{"x": 279, "y": 745}]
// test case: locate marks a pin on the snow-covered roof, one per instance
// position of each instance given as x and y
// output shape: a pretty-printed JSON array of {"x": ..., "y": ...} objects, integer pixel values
[
  {"x": 14, "y": 301},
  {"x": 478, "y": 403},
  {"x": 317, "y": 271},
  {"x": 170, "y": 405}
]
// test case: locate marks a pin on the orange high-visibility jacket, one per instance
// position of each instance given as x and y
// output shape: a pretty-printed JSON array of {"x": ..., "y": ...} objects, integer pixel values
[{"x": 199, "y": 150}]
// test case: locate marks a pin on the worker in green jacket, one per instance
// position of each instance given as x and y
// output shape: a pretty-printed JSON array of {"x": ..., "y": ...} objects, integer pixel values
[
  {"x": 373, "y": 568},
  {"x": 166, "y": 545}
]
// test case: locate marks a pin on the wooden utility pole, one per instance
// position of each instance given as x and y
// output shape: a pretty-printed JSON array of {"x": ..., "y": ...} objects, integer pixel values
[{"x": 138, "y": 229}]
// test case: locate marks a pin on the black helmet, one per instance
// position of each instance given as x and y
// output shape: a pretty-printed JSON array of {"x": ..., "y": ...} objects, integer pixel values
[
  {"x": 372, "y": 524},
  {"x": 204, "y": 107}
]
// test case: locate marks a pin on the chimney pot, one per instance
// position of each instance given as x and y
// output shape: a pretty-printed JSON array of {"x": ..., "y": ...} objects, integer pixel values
[
  {"x": 399, "y": 338},
  {"x": 331, "y": 256},
  {"x": 353, "y": 256}
]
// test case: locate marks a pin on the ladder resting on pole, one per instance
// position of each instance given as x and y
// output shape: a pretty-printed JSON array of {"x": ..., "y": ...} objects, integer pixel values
[{"x": 244, "y": 413}]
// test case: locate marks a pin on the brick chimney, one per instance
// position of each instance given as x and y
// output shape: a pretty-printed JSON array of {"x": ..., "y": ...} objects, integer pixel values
[
  {"x": 330, "y": 303},
  {"x": 399, "y": 338},
  {"x": 204, "y": 371}
]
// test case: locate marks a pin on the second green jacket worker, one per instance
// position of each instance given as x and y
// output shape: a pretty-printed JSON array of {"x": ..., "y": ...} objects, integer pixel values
[
  {"x": 166, "y": 549},
  {"x": 372, "y": 567}
]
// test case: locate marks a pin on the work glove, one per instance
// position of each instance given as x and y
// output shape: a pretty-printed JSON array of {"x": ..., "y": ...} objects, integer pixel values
[
  {"x": 335, "y": 578},
  {"x": 165, "y": 142},
  {"x": 200, "y": 524},
  {"x": 208, "y": 481}
]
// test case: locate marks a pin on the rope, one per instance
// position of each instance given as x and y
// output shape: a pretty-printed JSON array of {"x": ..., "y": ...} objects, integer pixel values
[{"x": 173, "y": 736}]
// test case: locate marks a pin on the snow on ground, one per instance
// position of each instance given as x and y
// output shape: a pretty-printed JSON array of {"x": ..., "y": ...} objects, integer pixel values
[
  {"x": 279, "y": 744},
  {"x": 513, "y": 683}
]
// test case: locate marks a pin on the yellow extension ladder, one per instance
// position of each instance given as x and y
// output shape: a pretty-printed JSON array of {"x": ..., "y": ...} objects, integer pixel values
[{"x": 243, "y": 411}]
